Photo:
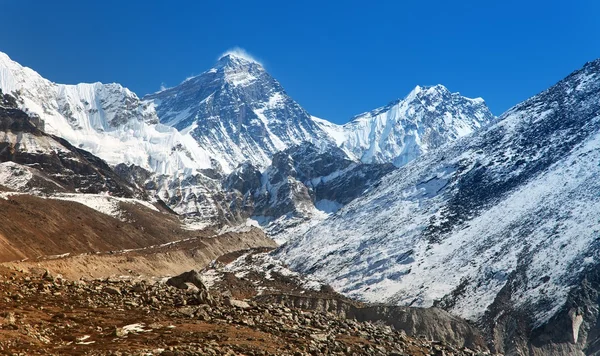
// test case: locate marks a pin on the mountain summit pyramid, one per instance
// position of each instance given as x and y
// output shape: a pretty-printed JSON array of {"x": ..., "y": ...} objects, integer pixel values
[{"x": 237, "y": 112}]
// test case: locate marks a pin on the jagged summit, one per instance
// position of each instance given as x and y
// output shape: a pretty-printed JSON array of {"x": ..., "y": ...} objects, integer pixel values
[
  {"x": 422, "y": 95},
  {"x": 238, "y": 112},
  {"x": 232, "y": 60},
  {"x": 226, "y": 65},
  {"x": 428, "y": 117}
]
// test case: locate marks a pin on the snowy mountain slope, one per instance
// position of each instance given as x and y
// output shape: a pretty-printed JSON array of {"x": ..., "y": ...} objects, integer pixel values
[
  {"x": 36, "y": 161},
  {"x": 104, "y": 119},
  {"x": 500, "y": 228},
  {"x": 237, "y": 112},
  {"x": 425, "y": 119}
]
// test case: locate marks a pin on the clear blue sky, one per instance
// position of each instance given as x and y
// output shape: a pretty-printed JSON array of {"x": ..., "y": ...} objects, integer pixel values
[{"x": 337, "y": 59}]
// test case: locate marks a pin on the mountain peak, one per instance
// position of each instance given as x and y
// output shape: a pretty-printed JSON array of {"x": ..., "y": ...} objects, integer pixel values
[
  {"x": 237, "y": 111},
  {"x": 428, "y": 117},
  {"x": 428, "y": 89},
  {"x": 237, "y": 56},
  {"x": 231, "y": 62}
]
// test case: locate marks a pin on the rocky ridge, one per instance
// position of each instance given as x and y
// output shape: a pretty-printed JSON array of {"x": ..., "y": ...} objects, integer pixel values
[{"x": 427, "y": 118}]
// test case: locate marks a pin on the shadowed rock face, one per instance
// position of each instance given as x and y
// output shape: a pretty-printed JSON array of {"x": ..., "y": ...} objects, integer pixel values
[
  {"x": 8, "y": 101},
  {"x": 246, "y": 178},
  {"x": 191, "y": 277},
  {"x": 301, "y": 176},
  {"x": 71, "y": 168}
]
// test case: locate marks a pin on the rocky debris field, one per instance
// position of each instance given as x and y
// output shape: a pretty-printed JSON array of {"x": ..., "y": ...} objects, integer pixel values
[
  {"x": 45, "y": 314},
  {"x": 253, "y": 272}
]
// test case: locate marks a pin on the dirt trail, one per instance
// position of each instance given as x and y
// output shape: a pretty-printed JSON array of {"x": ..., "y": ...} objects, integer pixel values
[
  {"x": 33, "y": 226},
  {"x": 33, "y": 229},
  {"x": 158, "y": 261}
]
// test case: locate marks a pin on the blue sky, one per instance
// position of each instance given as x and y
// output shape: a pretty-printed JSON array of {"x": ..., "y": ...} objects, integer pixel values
[{"x": 337, "y": 59}]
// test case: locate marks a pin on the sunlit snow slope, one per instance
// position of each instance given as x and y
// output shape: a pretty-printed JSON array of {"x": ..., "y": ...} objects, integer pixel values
[{"x": 105, "y": 119}]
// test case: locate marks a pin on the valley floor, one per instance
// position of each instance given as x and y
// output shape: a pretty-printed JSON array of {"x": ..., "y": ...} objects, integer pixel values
[{"x": 45, "y": 314}]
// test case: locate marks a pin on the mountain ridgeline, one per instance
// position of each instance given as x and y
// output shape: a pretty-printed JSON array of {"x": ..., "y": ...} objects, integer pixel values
[{"x": 186, "y": 144}]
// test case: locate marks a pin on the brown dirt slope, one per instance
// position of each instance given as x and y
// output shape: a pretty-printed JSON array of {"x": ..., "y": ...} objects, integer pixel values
[
  {"x": 34, "y": 228},
  {"x": 155, "y": 261}
]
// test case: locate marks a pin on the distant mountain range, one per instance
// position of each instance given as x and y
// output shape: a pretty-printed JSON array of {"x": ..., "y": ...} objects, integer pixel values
[{"x": 182, "y": 143}]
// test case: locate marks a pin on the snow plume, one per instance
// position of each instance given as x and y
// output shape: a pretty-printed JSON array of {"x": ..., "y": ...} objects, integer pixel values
[{"x": 242, "y": 53}]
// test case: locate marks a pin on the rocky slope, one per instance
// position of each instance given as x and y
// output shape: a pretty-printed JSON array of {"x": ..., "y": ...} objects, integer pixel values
[
  {"x": 498, "y": 228},
  {"x": 257, "y": 275},
  {"x": 303, "y": 185}
]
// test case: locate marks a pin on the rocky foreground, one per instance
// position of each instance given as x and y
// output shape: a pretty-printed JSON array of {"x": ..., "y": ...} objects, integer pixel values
[{"x": 46, "y": 314}]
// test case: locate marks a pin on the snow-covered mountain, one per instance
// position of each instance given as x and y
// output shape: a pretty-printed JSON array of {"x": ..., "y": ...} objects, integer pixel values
[
  {"x": 181, "y": 143},
  {"x": 237, "y": 112},
  {"x": 106, "y": 119},
  {"x": 500, "y": 228},
  {"x": 425, "y": 119},
  {"x": 33, "y": 161},
  {"x": 111, "y": 122}
]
